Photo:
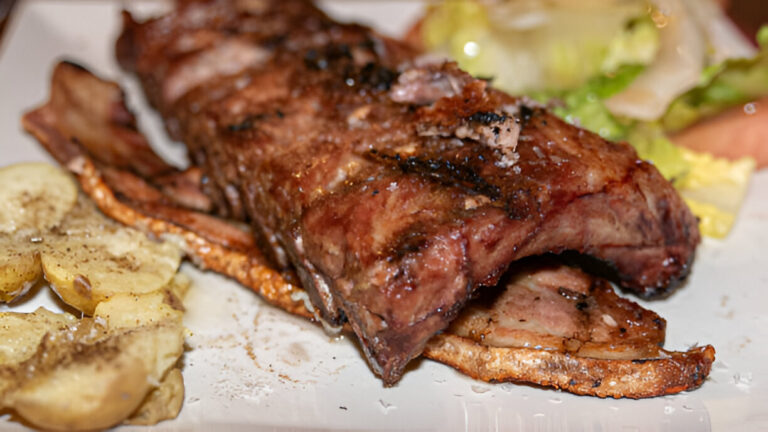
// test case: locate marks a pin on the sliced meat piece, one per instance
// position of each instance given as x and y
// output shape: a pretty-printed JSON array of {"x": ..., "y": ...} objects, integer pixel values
[
  {"x": 95, "y": 113},
  {"x": 553, "y": 307}
]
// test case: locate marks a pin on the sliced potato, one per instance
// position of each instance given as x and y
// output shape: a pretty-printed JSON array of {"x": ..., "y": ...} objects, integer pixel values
[
  {"x": 162, "y": 403},
  {"x": 34, "y": 196},
  {"x": 62, "y": 373},
  {"x": 126, "y": 311},
  {"x": 19, "y": 266},
  {"x": 95, "y": 372},
  {"x": 158, "y": 309},
  {"x": 22, "y": 333},
  {"x": 179, "y": 286},
  {"x": 93, "y": 393},
  {"x": 95, "y": 258}
]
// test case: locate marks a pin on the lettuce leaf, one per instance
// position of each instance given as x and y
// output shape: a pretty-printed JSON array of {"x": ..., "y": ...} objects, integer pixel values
[
  {"x": 653, "y": 145},
  {"x": 533, "y": 46},
  {"x": 583, "y": 106},
  {"x": 714, "y": 189},
  {"x": 730, "y": 83}
]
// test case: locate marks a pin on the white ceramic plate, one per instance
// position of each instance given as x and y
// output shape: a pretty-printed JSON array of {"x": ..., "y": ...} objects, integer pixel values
[{"x": 251, "y": 367}]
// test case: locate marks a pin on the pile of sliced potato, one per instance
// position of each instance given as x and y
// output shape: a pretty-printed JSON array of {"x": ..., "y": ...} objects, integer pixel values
[{"x": 118, "y": 364}]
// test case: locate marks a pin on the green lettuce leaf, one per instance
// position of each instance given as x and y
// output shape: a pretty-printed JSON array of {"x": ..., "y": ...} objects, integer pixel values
[
  {"x": 722, "y": 86},
  {"x": 583, "y": 106},
  {"x": 529, "y": 46}
]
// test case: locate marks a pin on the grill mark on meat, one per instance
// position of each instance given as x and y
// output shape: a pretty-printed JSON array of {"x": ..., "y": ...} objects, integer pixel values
[
  {"x": 526, "y": 113},
  {"x": 308, "y": 180},
  {"x": 445, "y": 171},
  {"x": 375, "y": 76},
  {"x": 487, "y": 118},
  {"x": 316, "y": 60}
]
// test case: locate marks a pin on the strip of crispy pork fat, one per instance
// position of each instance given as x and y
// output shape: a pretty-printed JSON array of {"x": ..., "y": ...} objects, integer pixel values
[{"x": 545, "y": 323}]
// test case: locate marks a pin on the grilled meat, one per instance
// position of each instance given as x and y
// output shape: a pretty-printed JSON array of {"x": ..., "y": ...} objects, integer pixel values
[
  {"x": 394, "y": 189},
  {"x": 544, "y": 323}
]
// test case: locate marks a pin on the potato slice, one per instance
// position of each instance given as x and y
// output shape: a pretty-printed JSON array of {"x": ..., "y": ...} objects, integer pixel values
[
  {"x": 35, "y": 196},
  {"x": 94, "y": 393},
  {"x": 20, "y": 266},
  {"x": 179, "y": 286},
  {"x": 163, "y": 403},
  {"x": 93, "y": 373},
  {"x": 126, "y": 311},
  {"x": 94, "y": 258},
  {"x": 22, "y": 333}
]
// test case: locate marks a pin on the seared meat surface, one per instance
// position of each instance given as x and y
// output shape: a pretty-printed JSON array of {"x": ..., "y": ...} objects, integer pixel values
[{"x": 394, "y": 189}]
